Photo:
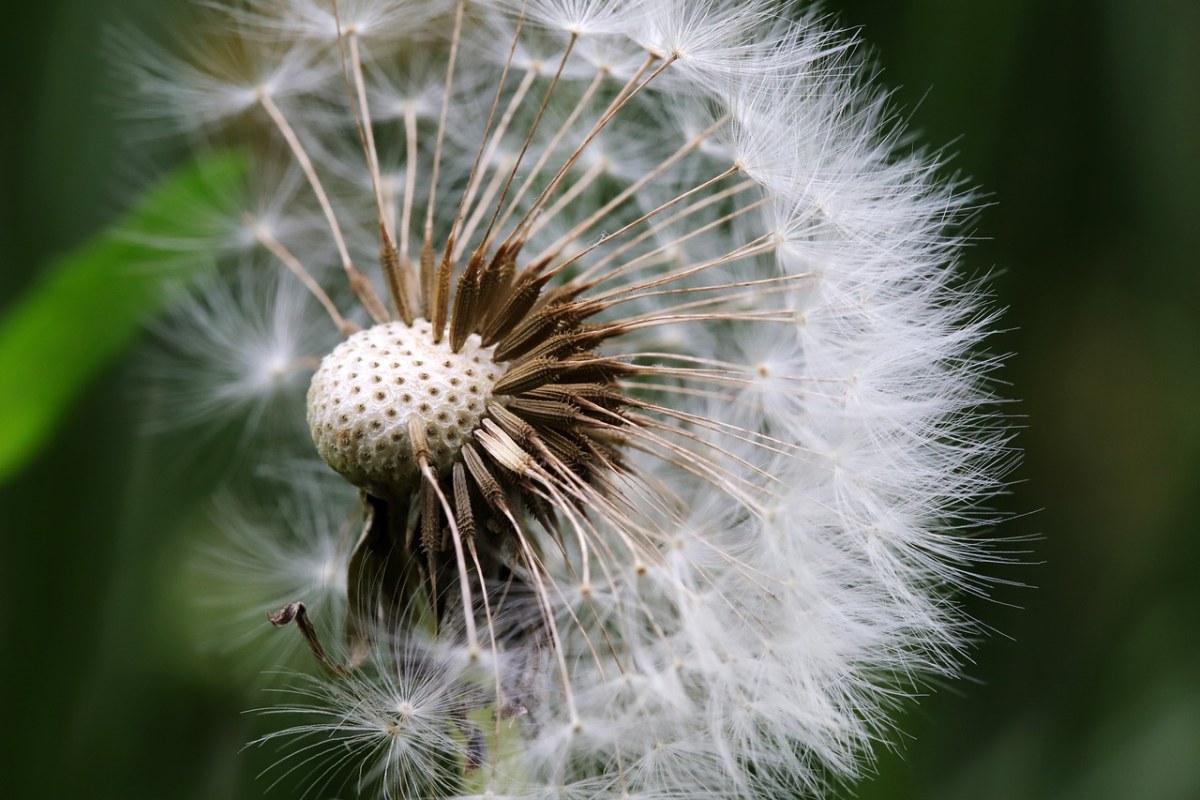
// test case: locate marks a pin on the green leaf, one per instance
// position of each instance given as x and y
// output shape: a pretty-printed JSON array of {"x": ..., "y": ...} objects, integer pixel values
[{"x": 92, "y": 302}]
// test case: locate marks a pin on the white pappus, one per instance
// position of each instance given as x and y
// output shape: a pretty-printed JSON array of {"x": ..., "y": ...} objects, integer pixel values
[{"x": 659, "y": 400}]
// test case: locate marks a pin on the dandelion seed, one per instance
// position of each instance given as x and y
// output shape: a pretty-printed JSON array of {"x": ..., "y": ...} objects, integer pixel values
[{"x": 655, "y": 384}]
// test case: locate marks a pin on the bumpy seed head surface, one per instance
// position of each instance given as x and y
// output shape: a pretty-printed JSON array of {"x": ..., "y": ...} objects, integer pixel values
[{"x": 365, "y": 392}]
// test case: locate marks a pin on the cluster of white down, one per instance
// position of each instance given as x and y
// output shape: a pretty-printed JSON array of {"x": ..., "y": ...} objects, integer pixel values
[{"x": 785, "y": 593}]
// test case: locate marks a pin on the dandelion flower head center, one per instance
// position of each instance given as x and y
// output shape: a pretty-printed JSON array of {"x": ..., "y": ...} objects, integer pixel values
[{"x": 378, "y": 383}]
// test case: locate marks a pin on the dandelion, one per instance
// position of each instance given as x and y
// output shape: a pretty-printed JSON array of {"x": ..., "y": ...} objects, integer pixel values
[{"x": 656, "y": 387}]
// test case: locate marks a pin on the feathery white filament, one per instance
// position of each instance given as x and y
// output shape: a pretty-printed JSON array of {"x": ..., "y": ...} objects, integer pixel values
[{"x": 706, "y": 538}]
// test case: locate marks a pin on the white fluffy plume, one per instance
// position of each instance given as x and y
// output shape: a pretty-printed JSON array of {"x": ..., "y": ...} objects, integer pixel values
[{"x": 711, "y": 525}]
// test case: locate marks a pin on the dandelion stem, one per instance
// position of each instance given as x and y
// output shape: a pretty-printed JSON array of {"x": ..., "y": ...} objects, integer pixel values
[
  {"x": 578, "y": 187},
  {"x": 635, "y": 187},
  {"x": 551, "y": 146},
  {"x": 362, "y": 117},
  {"x": 525, "y": 145},
  {"x": 410, "y": 179},
  {"x": 492, "y": 141},
  {"x": 648, "y": 258},
  {"x": 344, "y": 326},
  {"x": 629, "y": 226},
  {"x": 627, "y": 93},
  {"x": 485, "y": 202},
  {"x": 427, "y": 276},
  {"x": 358, "y": 282},
  {"x": 421, "y": 452},
  {"x": 389, "y": 260}
]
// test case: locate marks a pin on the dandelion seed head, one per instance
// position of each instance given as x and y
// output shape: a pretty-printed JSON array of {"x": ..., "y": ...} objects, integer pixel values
[
  {"x": 368, "y": 392},
  {"x": 658, "y": 400}
]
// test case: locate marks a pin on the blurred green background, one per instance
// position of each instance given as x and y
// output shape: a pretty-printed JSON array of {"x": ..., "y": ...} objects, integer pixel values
[{"x": 1080, "y": 118}]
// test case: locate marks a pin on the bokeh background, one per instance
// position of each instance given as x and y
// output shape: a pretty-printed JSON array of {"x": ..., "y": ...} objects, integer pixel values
[{"x": 1079, "y": 118}]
